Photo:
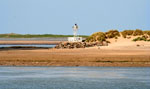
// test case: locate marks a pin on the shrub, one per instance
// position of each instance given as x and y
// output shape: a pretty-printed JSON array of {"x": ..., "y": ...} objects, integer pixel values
[
  {"x": 148, "y": 40},
  {"x": 98, "y": 36},
  {"x": 90, "y": 38},
  {"x": 123, "y": 34},
  {"x": 138, "y": 32},
  {"x": 140, "y": 39},
  {"x": 147, "y": 32},
  {"x": 127, "y": 33},
  {"x": 116, "y": 37},
  {"x": 112, "y": 33},
  {"x": 108, "y": 41}
]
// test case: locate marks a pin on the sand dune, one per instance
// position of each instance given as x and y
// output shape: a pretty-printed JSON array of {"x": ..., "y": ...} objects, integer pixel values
[{"x": 127, "y": 44}]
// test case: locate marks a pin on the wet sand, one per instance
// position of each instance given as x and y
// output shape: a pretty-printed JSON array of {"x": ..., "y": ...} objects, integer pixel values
[{"x": 75, "y": 57}]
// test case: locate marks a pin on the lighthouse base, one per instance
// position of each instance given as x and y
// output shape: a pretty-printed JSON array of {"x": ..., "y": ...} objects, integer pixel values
[{"x": 75, "y": 39}]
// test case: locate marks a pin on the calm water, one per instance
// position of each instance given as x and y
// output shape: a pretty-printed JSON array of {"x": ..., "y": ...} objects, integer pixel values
[
  {"x": 35, "y": 39},
  {"x": 74, "y": 78},
  {"x": 29, "y": 45}
]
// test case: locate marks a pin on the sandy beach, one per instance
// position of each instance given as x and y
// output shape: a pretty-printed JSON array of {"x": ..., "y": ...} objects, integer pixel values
[
  {"x": 75, "y": 57},
  {"x": 122, "y": 52}
]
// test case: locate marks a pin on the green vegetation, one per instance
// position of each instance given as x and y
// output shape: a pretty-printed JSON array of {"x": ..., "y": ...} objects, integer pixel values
[
  {"x": 12, "y": 35},
  {"x": 112, "y": 34},
  {"x": 143, "y": 38},
  {"x": 98, "y": 36},
  {"x": 138, "y": 32},
  {"x": 126, "y": 33},
  {"x": 140, "y": 39},
  {"x": 146, "y": 32}
]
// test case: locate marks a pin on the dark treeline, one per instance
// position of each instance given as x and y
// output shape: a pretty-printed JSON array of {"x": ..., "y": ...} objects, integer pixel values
[
  {"x": 13, "y": 35},
  {"x": 98, "y": 36}
]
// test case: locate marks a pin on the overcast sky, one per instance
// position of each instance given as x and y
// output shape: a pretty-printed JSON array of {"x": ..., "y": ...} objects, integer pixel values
[{"x": 58, "y": 16}]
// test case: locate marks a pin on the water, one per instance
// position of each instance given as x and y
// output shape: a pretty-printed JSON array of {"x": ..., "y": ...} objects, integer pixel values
[
  {"x": 74, "y": 78},
  {"x": 36, "y": 39},
  {"x": 49, "y": 46}
]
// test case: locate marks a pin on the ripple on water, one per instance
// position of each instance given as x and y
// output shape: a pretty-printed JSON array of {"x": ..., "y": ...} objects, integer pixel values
[{"x": 74, "y": 78}]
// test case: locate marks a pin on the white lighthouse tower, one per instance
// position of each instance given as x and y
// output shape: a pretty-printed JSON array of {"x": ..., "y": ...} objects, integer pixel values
[
  {"x": 75, "y": 29},
  {"x": 75, "y": 38}
]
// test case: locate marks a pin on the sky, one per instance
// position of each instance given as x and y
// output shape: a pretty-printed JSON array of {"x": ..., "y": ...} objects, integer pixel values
[{"x": 58, "y": 16}]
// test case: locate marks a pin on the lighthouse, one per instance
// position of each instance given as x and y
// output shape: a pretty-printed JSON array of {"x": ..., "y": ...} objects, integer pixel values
[
  {"x": 75, "y": 37},
  {"x": 75, "y": 29}
]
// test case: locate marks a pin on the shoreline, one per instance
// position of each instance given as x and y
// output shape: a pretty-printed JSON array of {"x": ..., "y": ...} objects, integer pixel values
[
  {"x": 23, "y": 48},
  {"x": 29, "y": 42},
  {"x": 87, "y": 57},
  {"x": 71, "y": 66},
  {"x": 120, "y": 53}
]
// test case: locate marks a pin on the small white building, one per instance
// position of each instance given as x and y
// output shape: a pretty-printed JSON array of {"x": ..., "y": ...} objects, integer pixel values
[{"x": 75, "y": 39}]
